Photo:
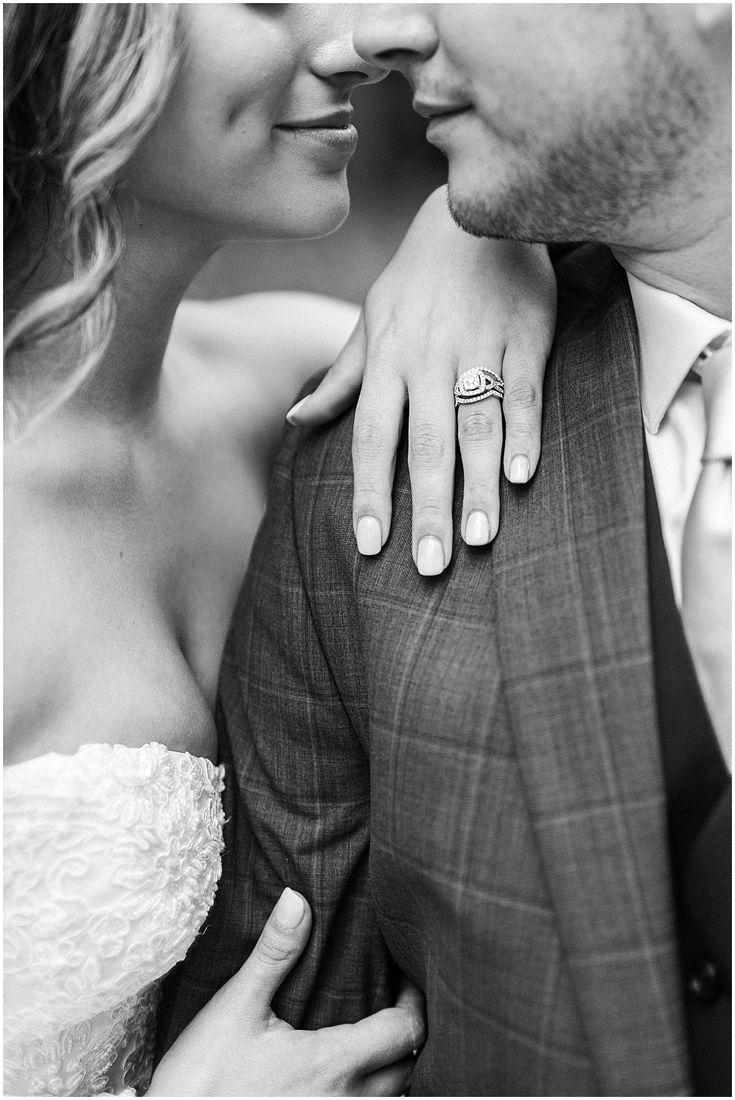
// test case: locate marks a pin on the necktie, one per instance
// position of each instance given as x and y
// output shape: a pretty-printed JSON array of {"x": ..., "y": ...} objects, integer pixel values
[{"x": 707, "y": 552}]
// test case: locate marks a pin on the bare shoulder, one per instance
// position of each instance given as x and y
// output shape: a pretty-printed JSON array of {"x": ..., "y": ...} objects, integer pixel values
[
  {"x": 233, "y": 368},
  {"x": 236, "y": 366},
  {"x": 278, "y": 316},
  {"x": 258, "y": 350}
]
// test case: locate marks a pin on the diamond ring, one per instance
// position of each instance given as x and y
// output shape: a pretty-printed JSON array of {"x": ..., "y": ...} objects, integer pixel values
[{"x": 476, "y": 384}]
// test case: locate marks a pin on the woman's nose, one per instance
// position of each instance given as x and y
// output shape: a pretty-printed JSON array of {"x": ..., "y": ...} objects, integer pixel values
[{"x": 396, "y": 36}]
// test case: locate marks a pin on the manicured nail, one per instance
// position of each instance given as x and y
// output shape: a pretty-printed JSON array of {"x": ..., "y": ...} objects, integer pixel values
[
  {"x": 293, "y": 412},
  {"x": 477, "y": 532},
  {"x": 520, "y": 470},
  {"x": 290, "y": 909},
  {"x": 430, "y": 556},
  {"x": 369, "y": 535}
]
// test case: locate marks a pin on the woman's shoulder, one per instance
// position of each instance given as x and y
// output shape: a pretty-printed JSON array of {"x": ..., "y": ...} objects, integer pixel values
[
  {"x": 287, "y": 332},
  {"x": 238, "y": 364},
  {"x": 268, "y": 311}
]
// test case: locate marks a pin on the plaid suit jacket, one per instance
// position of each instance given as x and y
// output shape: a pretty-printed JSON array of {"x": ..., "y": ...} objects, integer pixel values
[{"x": 462, "y": 773}]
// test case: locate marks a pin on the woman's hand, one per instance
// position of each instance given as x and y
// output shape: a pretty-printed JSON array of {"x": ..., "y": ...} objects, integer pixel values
[
  {"x": 237, "y": 1046},
  {"x": 447, "y": 302}
]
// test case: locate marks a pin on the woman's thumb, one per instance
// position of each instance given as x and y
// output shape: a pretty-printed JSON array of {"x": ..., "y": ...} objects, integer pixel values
[
  {"x": 281, "y": 942},
  {"x": 338, "y": 389}
]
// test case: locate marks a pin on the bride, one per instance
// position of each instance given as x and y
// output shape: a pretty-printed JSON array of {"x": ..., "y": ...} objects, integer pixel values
[{"x": 140, "y": 138}]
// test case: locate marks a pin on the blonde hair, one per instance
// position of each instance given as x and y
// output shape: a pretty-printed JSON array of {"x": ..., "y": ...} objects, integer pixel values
[{"x": 84, "y": 83}]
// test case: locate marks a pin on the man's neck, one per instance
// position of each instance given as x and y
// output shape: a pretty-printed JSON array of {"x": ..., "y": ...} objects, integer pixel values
[{"x": 699, "y": 271}]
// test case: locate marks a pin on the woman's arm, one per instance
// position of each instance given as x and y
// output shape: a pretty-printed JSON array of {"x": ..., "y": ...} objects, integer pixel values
[{"x": 447, "y": 302}]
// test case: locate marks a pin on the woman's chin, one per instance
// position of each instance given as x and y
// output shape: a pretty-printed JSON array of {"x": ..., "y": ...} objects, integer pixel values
[
  {"x": 317, "y": 217},
  {"x": 302, "y": 217},
  {"x": 328, "y": 225}
]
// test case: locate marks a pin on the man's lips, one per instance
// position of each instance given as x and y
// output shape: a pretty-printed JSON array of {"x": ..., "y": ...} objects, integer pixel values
[{"x": 432, "y": 110}]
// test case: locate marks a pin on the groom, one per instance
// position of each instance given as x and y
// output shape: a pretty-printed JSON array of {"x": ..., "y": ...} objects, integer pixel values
[{"x": 509, "y": 781}]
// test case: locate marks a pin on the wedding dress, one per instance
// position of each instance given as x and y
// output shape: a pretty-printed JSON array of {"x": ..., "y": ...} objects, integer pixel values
[{"x": 112, "y": 857}]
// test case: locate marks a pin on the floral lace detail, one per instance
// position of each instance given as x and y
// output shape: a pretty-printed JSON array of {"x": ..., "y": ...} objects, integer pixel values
[
  {"x": 112, "y": 858},
  {"x": 113, "y": 1051}
]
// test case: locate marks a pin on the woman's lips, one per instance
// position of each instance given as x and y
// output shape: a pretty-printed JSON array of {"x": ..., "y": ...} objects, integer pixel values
[{"x": 341, "y": 139}]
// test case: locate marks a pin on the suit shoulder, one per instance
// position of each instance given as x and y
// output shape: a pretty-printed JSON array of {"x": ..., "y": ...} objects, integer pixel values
[
  {"x": 313, "y": 468},
  {"x": 324, "y": 454}
]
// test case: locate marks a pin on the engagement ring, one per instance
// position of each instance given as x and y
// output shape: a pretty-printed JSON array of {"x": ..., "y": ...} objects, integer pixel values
[{"x": 476, "y": 384}]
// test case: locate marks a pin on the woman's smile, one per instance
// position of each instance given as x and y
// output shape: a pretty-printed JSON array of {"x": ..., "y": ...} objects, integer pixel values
[
  {"x": 339, "y": 137},
  {"x": 260, "y": 107}
]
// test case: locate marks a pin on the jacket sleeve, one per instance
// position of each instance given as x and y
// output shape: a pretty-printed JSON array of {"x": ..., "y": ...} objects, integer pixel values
[{"x": 292, "y": 727}]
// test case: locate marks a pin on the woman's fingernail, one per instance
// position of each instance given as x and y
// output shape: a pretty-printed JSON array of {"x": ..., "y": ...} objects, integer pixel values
[
  {"x": 293, "y": 412},
  {"x": 430, "y": 556},
  {"x": 369, "y": 535},
  {"x": 520, "y": 470},
  {"x": 477, "y": 532},
  {"x": 290, "y": 909}
]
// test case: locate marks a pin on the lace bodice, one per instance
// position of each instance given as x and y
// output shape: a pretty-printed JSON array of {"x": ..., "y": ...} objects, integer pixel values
[{"x": 112, "y": 857}]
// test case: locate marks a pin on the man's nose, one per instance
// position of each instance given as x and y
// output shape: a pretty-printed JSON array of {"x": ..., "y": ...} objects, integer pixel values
[{"x": 396, "y": 36}]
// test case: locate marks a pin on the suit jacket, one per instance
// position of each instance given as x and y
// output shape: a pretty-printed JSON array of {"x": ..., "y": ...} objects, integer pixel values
[{"x": 462, "y": 773}]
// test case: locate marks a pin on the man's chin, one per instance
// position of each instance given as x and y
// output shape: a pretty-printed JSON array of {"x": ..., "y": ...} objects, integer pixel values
[
  {"x": 465, "y": 215},
  {"x": 475, "y": 214}
]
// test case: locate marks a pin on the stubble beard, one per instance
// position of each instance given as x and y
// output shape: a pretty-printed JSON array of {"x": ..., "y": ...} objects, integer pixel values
[{"x": 603, "y": 183}]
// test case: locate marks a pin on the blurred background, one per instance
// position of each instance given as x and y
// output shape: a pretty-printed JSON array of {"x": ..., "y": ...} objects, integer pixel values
[{"x": 390, "y": 175}]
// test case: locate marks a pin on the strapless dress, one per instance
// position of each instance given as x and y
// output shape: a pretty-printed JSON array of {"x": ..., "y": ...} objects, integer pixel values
[{"x": 112, "y": 857}]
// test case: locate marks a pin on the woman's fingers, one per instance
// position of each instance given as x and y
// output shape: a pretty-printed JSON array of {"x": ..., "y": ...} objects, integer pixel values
[
  {"x": 431, "y": 447},
  {"x": 480, "y": 431},
  {"x": 411, "y": 997},
  {"x": 281, "y": 942},
  {"x": 338, "y": 388},
  {"x": 480, "y": 427},
  {"x": 391, "y": 1081},
  {"x": 375, "y": 434},
  {"x": 523, "y": 374},
  {"x": 379, "y": 1040}
]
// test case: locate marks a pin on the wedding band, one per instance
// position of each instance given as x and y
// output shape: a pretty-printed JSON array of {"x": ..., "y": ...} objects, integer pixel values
[{"x": 476, "y": 384}]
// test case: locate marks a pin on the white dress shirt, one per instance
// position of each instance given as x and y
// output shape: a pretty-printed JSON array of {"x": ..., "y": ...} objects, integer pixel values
[{"x": 673, "y": 333}]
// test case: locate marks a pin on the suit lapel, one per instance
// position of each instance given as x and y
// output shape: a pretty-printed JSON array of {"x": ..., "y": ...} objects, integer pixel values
[{"x": 571, "y": 591}]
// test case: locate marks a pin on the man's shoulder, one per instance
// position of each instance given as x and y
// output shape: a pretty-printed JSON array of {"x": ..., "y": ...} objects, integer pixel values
[
  {"x": 313, "y": 466},
  {"x": 592, "y": 293},
  {"x": 594, "y": 313},
  {"x": 322, "y": 454}
]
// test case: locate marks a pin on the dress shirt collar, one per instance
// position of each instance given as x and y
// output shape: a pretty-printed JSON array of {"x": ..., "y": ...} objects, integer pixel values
[{"x": 672, "y": 333}]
